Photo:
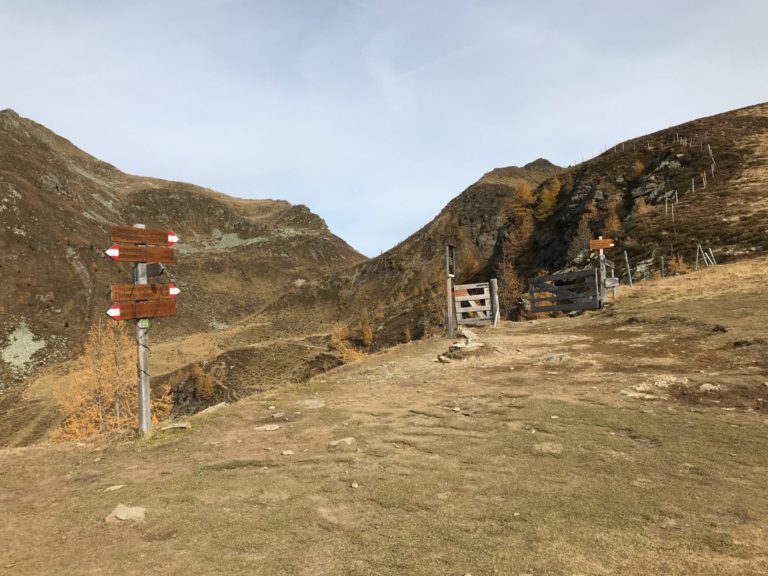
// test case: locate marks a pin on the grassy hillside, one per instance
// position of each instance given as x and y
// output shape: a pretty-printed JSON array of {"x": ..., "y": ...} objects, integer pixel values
[
  {"x": 56, "y": 207},
  {"x": 628, "y": 441}
]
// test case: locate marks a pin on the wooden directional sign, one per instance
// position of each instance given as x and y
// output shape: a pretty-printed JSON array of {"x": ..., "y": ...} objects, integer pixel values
[
  {"x": 122, "y": 292},
  {"x": 123, "y": 253},
  {"x": 601, "y": 244},
  {"x": 153, "y": 236},
  {"x": 148, "y": 309}
]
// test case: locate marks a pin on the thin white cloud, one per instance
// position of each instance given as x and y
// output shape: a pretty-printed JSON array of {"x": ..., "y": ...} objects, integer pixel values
[{"x": 375, "y": 114}]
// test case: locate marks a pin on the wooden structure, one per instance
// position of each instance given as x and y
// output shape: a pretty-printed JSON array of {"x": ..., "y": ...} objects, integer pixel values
[
  {"x": 140, "y": 301},
  {"x": 566, "y": 292},
  {"x": 476, "y": 303}
]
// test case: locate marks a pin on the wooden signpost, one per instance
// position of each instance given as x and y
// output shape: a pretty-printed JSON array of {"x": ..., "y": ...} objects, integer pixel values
[
  {"x": 122, "y": 292},
  {"x": 159, "y": 254},
  {"x": 141, "y": 301},
  {"x": 602, "y": 244}
]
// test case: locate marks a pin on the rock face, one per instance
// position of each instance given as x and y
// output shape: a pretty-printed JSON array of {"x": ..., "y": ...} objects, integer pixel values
[
  {"x": 620, "y": 194},
  {"x": 405, "y": 284}
]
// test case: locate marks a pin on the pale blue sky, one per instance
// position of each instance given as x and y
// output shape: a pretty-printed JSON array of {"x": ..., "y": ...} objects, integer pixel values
[{"x": 372, "y": 113}]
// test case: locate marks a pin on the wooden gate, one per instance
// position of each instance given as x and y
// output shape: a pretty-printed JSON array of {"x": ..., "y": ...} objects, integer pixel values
[
  {"x": 565, "y": 292},
  {"x": 474, "y": 304}
]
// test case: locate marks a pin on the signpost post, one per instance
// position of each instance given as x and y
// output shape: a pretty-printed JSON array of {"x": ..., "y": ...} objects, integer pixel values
[
  {"x": 147, "y": 248},
  {"x": 450, "y": 268},
  {"x": 601, "y": 244},
  {"x": 142, "y": 353}
]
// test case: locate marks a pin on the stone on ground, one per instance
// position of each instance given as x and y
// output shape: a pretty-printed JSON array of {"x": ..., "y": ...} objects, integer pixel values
[
  {"x": 123, "y": 513},
  {"x": 348, "y": 444}
]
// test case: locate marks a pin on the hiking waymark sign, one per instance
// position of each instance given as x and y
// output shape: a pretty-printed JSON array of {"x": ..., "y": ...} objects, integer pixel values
[
  {"x": 601, "y": 243},
  {"x": 128, "y": 253},
  {"x": 150, "y": 236},
  {"x": 149, "y": 249},
  {"x": 139, "y": 310}
]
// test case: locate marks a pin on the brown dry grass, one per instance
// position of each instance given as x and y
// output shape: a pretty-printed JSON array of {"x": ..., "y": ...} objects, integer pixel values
[{"x": 509, "y": 463}]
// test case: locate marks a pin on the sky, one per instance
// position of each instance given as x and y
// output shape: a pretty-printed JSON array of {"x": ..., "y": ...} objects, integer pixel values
[{"x": 374, "y": 114}]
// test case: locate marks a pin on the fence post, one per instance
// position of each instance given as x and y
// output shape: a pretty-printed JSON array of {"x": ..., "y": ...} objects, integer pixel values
[
  {"x": 495, "y": 300},
  {"x": 449, "y": 306},
  {"x": 629, "y": 270}
]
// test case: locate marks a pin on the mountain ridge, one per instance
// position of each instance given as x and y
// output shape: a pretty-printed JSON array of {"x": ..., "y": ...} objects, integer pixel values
[{"x": 57, "y": 204}]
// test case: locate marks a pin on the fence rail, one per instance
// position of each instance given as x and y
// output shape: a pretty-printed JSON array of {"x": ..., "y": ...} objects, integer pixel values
[
  {"x": 473, "y": 304},
  {"x": 565, "y": 292}
]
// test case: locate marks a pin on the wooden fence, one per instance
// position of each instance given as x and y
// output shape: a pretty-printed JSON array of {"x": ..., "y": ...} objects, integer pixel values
[
  {"x": 566, "y": 292},
  {"x": 475, "y": 304}
]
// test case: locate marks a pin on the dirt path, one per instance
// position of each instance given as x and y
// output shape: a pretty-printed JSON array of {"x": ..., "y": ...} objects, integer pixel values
[{"x": 578, "y": 446}]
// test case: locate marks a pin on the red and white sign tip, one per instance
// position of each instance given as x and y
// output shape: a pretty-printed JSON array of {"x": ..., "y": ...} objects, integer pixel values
[
  {"x": 113, "y": 252},
  {"x": 114, "y": 312},
  {"x": 173, "y": 290},
  {"x": 172, "y": 238}
]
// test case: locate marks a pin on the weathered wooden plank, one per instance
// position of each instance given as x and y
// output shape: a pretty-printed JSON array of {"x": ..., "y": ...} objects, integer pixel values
[
  {"x": 563, "y": 276},
  {"x": 562, "y": 293},
  {"x": 476, "y": 308},
  {"x": 591, "y": 303},
  {"x": 496, "y": 316},
  {"x": 601, "y": 244},
  {"x": 542, "y": 296},
  {"x": 142, "y": 292},
  {"x": 471, "y": 286},
  {"x": 477, "y": 321},
  {"x": 131, "y": 235},
  {"x": 587, "y": 283},
  {"x": 582, "y": 298},
  {"x": 562, "y": 308},
  {"x": 162, "y": 255},
  {"x": 471, "y": 297}
]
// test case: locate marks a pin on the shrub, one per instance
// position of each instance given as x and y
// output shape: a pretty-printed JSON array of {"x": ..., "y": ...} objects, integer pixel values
[
  {"x": 101, "y": 394},
  {"x": 204, "y": 383},
  {"x": 612, "y": 224},
  {"x": 509, "y": 286},
  {"x": 580, "y": 241},
  {"x": 340, "y": 344},
  {"x": 637, "y": 168},
  {"x": 548, "y": 200},
  {"x": 366, "y": 333},
  {"x": 640, "y": 207},
  {"x": 523, "y": 195},
  {"x": 677, "y": 265}
]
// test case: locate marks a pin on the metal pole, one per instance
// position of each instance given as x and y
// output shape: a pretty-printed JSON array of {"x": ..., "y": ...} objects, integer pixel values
[
  {"x": 449, "y": 306},
  {"x": 629, "y": 270},
  {"x": 602, "y": 276},
  {"x": 142, "y": 354}
]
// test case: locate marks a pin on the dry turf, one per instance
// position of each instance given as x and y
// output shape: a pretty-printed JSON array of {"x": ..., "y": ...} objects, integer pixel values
[{"x": 628, "y": 441}]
